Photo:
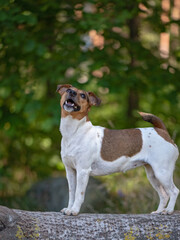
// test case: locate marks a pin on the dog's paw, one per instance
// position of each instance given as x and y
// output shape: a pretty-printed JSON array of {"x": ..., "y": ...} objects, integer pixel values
[
  {"x": 64, "y": 210},
  {"x": 69, "y": 212},
  {"x": 74, "y": 213},
  {"x": 167, "y": 212},
  {"x": 157, "y": 212}
]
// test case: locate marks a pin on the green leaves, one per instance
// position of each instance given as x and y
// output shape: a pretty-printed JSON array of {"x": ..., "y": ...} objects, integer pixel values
[
  {"x": 29, "y": 46},
  {"x": 109, "y": 47}
]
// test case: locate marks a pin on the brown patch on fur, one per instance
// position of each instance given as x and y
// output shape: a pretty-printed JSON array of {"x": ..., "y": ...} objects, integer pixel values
[
  {"x": 164, "y": 134},
  {"x": 118, "y": 143}
]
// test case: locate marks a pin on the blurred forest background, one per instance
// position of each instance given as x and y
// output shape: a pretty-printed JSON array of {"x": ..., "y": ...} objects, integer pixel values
[{"x": 127, "y": 52}]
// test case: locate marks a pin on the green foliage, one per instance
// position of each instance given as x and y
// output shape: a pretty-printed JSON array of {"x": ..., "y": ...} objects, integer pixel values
[{"x": 42, "y": 44}]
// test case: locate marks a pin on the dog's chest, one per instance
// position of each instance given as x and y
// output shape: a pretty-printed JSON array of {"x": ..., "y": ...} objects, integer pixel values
[
  {"x": 73, "y": 146},
  {"x": 79, "y": 142}
]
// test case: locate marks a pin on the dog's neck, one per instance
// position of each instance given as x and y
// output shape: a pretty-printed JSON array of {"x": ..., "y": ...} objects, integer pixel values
[
  {"x": 70, "y": 126},
  {"x": 75, "y": 115}
]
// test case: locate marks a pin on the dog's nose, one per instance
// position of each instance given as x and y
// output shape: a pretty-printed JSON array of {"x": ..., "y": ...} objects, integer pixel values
[{"x": 72, "y": 93}]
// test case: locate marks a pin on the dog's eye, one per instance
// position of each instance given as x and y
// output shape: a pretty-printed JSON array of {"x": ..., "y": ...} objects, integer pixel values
[
  {"x": 68, "y": 90},
  {"x": 83, "y": 95}
]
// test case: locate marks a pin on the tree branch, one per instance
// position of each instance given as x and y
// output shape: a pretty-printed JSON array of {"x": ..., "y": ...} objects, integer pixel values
[{"x": 19, "y": 224}]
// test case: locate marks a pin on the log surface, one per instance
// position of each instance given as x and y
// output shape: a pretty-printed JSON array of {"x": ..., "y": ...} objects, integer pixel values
[{"x": 19, "y": 224}]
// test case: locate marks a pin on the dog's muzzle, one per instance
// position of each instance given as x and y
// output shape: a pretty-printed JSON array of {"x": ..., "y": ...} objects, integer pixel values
[{"x": 70, "y": 105}]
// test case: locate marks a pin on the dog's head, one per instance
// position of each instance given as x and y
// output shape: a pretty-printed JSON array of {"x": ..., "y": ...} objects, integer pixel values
[{"x": 76, "y": 102}]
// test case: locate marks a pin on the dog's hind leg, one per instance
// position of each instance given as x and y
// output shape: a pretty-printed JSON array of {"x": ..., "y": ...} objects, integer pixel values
[
  {"x": 166, "y": 180},
  {"x": 163, "y": 196},
  {"x": 173, "y": 192}
]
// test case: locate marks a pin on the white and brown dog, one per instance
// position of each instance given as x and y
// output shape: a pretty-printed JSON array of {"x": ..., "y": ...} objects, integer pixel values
[{"x": 89, "y": 150}]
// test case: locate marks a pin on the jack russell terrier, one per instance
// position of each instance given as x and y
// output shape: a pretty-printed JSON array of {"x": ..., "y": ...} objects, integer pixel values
[{"x": 88, "y": 150}]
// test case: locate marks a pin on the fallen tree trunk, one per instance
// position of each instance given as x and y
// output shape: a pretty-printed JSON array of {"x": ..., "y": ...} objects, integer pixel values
[{"x": 18, "y": 224}]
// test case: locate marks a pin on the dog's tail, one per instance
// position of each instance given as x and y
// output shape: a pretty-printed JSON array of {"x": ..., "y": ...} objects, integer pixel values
[{"x": 157, "y": 122}]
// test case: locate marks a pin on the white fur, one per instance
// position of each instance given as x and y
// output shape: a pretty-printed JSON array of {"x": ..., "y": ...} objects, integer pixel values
[{"x": 81, "y": 155}]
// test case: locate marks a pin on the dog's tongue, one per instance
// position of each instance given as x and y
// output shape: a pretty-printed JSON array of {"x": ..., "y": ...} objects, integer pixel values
[{"x": 69, "y": 103}]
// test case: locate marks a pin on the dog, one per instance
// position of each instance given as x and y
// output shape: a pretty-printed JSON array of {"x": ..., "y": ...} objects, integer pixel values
[{"x": 88, "y": 150}]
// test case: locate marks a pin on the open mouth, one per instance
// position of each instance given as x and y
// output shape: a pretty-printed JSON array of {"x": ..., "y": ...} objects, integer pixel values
[{"x": 69, "y": 105}]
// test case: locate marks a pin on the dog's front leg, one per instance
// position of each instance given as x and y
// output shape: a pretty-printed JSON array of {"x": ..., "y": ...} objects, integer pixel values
[
  {"x": 71, "y": 178},
  {"x": 82, "y": 181}
]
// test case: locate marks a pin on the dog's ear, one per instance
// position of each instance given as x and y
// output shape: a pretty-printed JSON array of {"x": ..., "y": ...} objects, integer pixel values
[
  {"x": 62, "y": 88},
  {"x": 93, "y": 99}
]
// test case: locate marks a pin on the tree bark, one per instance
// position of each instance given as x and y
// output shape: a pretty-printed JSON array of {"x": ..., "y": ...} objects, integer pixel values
[{"x": 19, "y": 224}]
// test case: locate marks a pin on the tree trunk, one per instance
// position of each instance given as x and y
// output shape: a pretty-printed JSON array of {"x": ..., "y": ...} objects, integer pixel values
[
  {"x": 18, "y": 224},
  {"x": 133, "y": 94}
]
